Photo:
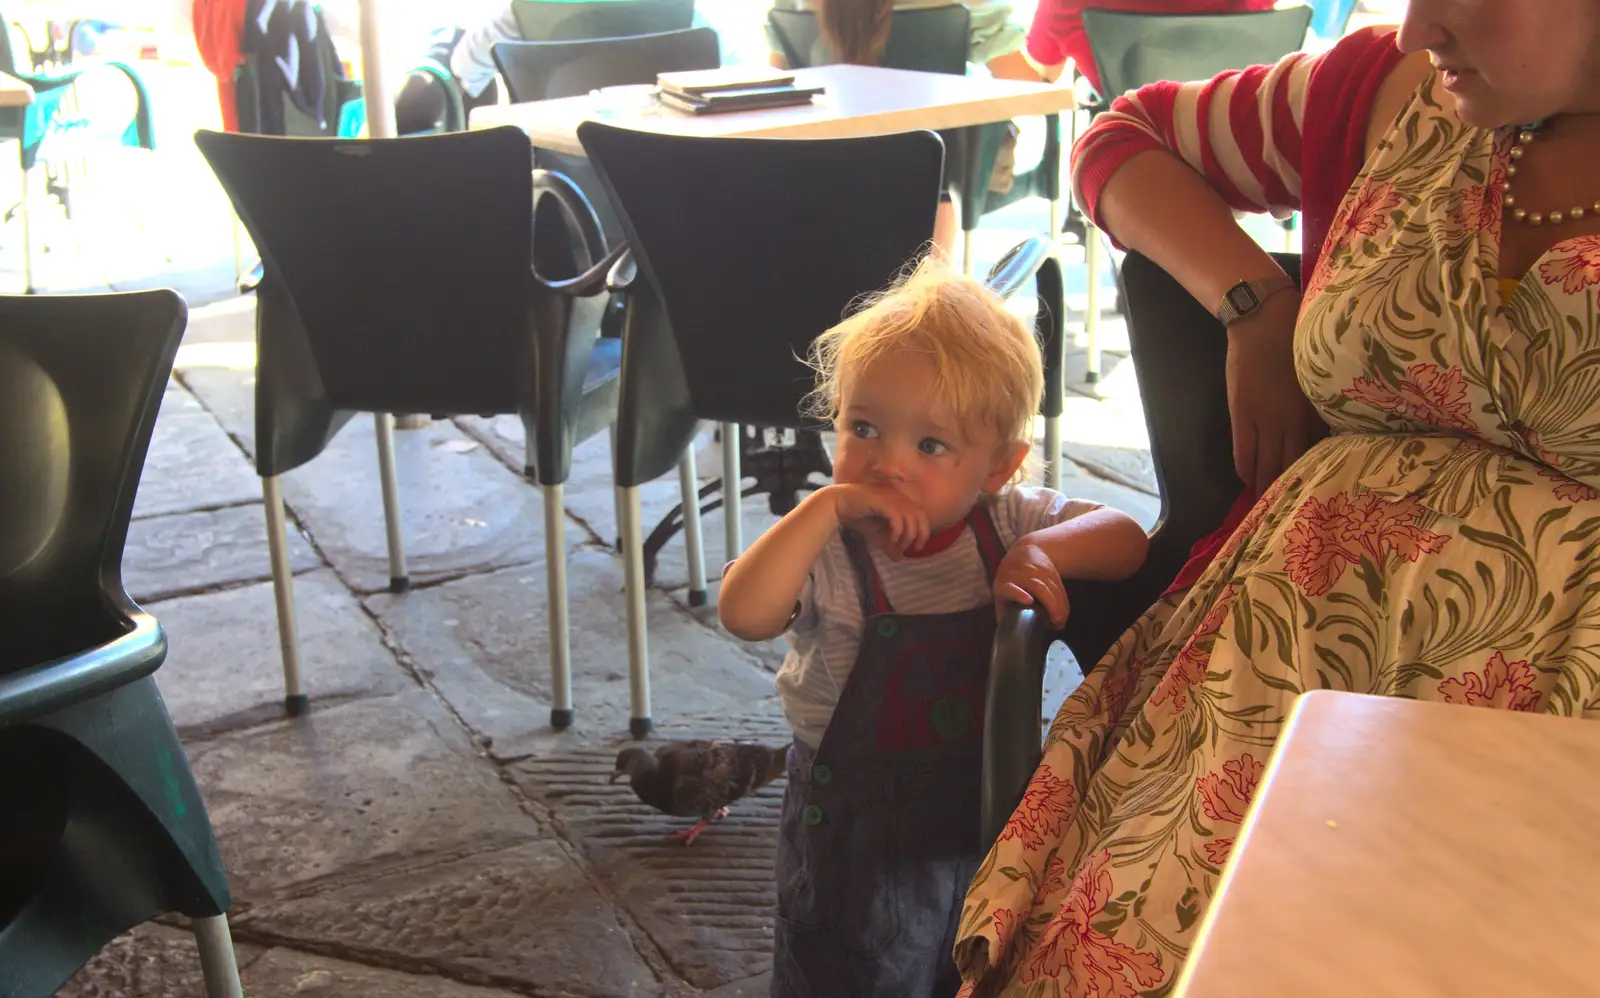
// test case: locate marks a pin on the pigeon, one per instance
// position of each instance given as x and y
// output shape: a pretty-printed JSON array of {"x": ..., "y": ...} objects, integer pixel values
[{"x": 698, "y": 779}]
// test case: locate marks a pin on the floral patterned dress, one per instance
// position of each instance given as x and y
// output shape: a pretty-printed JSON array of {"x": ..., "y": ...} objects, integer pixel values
[{"x": 1441, "y": 545}]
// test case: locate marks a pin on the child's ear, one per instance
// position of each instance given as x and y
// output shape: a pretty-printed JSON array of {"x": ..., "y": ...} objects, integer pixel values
[{"x": 1007, "y": 459}]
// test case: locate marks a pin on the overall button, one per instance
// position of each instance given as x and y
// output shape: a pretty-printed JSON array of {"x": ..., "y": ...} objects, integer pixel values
[
  {"x": 813, "y": 815},
  {"x": 888, "y": 627},
  {"x": 822, "y": 774}
]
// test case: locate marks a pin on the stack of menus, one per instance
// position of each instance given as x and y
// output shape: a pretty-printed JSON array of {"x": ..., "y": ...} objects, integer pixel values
[{"x": 733, "y": 88}]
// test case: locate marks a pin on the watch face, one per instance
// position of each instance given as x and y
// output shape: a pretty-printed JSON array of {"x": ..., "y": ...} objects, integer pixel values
[{"x": 1243, "y": 298}]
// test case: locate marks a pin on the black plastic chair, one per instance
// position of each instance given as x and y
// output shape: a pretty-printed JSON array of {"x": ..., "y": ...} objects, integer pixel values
[
  {"x": 937, "y": 40},
  {"x": 103, "y": 827},
  {"x": 547, "y": 70},
  {"x": 1179, "y": 352},
  {"x": 1134, "y": 49},
  {"x": 721, "y": 314},
  {"x": 565, "y": 20},
  {"x": 359, "y": 311}
]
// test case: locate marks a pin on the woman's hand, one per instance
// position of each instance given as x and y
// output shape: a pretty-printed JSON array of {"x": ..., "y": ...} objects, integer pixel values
[
  {"x": 1273, "y": 421},
  {"x": 884, "y": 514},
  {"x": 1028, "y": 576}
]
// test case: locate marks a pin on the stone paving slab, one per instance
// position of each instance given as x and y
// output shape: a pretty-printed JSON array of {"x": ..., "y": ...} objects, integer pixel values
[
  {"x": 285, "y": 972},
  {"x": 357, "y": 791},
  {"x": 191, "y": 552},
  {"x": 224, "y": 668},
  {"x": 482, "y": 642},
  {"x": 192, "y": 464},
  {"x": 525, "y": 917},
  {"x": 151, "y": 960},
  {"x": 462, "y": 511},
  {"x": 708, "y": 907}
]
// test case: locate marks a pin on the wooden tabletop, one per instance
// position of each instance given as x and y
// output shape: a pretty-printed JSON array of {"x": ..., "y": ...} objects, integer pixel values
[
  {"x": 860, "y": 100},
  {"x": 1416, "y": 849},
  {"x": 13, "y": 92}
]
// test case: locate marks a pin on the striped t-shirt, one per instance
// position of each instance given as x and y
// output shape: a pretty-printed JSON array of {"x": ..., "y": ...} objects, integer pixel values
[{"x": 826, "y": 633}]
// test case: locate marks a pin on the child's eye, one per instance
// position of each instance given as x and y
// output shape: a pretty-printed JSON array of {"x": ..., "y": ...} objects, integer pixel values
[
  {"x": 930, "y": 446},
  {"x": 864, "y": 430}
]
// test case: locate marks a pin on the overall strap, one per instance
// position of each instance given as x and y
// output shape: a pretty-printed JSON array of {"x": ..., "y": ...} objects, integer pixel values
[
  {"x": 873, "y": 599},
  {"x": 990, "y": 549}
]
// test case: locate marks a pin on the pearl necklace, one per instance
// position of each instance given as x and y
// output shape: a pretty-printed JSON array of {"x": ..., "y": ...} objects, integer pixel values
[{"x": 1525, "y": 137}]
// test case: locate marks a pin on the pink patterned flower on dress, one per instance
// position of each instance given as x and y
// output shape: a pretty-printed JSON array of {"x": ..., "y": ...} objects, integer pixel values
[
  {"x": 1006, "y": 925},
  {"x": 1428, "y": 394},
  {"x": 1567, "y": 489},
  {"x": 1217, "y": 851},
  {"x": 1576, "y": 267},
  {"x": 1252, "y": 520},
  {"x": 1188, "y": 668},
  {"x": 1048, "y": 804},
  {"x": 1326, "y": 538},
  {"x": 1369, "y": 212},
  {"x": 1508, "y": 685},
  {"x": 1225, "y": 795},
  {"x": 1054, "y": 879},
  {"x": 1479, "y": 207},
  {"x": 1115, "y": 692},
  {"x": 1071, "y": 950}
]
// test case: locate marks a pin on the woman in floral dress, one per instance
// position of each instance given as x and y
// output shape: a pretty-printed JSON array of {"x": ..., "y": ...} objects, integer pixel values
[{"x": 1442, "y": 543}]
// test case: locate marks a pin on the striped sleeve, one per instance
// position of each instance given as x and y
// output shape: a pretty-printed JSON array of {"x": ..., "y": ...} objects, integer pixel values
[{"x": 1241, "y": 130}]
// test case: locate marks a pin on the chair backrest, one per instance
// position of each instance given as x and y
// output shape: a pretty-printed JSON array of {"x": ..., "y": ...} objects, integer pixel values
[
  {"x": 1330, "y": 18},
  {"x": 1132, "y": 49},
  {"x": 570, "y": 20},
  {"x": 931, "y": 39},
  {"x": 545, "y": 70},
  {"x": 1179, "y": 355},
  {"x": 81, "y": 382},
  {"x": 756, "y": 246},
  {"x": 402, "y": 267}
]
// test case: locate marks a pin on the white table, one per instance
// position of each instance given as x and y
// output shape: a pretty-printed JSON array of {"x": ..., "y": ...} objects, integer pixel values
[
  {"x": 860, "y": 100},
  {"x": 1412, "y": 849}
]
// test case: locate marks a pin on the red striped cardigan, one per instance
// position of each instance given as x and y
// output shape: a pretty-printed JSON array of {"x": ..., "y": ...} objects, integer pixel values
[{"x": 1281, "y": 138}]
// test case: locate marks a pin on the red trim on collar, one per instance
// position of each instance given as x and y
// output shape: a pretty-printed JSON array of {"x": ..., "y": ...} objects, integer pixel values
[{"x": 940, "y": 541}]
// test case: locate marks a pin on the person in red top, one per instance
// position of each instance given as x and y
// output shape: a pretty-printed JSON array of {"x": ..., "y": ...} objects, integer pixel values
[{"x": 1057, "y": 33}]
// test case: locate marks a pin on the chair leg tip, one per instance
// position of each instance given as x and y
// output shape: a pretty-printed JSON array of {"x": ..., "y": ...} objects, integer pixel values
[
  {"x": 561, "y": 719},
  {"x": 296, "y": 704},
  {"x": 697, "y": 597},
  {"x": 639, "y": 727},
  {"x": 399, "y": 584}
]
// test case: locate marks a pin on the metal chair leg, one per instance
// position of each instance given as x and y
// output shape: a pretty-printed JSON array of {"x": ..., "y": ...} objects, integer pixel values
[
  {"x": 294, "y": 699},
  {"x": 967, "y": 259},
  {"x": 689, "y": 486},
  {"x": 218, "y": 964},
  {"x": 1052, "y": 452},
  {"x": 399, "y": 579},
  {"x": 555, "y": 573},
  {"x": 1091, "y": 315},
  {"x": 27, "y": 239},
  {"x": 732, "y": 485},
  {"x": 632, "y": 531},
  {"x": 1055, "y": 219}
]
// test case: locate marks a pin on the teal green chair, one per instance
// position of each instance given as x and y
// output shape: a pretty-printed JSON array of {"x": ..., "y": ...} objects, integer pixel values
[
  {"x": 102, "y": 826},
  {"x": 577, "y": 20}
]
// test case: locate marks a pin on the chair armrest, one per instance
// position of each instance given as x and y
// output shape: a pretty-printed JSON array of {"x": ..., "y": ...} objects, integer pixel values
[
  {"x": 49, "y": 686},
  {"x": 1019, "y": 265},
  {"x": 624, "y": 273},
  {"x": 1011, "y": 715}
]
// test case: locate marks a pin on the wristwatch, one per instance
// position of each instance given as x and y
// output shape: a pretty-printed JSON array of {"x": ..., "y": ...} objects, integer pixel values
[{"x": 1247, "y": 296}]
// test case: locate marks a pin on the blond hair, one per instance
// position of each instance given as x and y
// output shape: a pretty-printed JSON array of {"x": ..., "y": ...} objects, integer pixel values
[{"x": 986, "y": 361}]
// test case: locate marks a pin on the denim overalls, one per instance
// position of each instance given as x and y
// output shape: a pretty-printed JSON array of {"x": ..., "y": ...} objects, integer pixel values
[{"x": 879, "y": 832}]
